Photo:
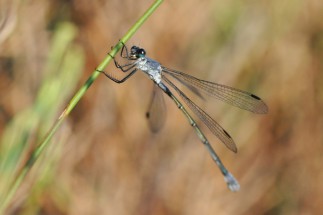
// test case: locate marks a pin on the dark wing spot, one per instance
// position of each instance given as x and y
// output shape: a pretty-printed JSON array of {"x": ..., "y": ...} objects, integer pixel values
[
  {"x": 147, "y": 115},
  {"x": 255, "y": 97},
  {"x": 226, "y": 133}
]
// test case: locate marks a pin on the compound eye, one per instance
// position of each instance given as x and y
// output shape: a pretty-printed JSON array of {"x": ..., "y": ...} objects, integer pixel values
[
  {"x": 142, "y": 52},
  {"x": 134, "y": 49}
]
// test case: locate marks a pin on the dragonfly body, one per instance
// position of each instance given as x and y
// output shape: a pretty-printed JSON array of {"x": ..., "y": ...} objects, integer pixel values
[{"x": 157, "y": 73}]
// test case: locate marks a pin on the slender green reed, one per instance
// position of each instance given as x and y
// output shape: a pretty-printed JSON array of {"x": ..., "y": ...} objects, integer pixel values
[{"x": 80, "y": 93}]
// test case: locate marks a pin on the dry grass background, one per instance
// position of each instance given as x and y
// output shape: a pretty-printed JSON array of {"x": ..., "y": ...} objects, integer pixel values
[{"x": 104, "y": 160}]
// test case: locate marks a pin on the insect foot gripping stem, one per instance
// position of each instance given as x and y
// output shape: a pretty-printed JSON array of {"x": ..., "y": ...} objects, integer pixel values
[{"x": 232, "y": 183}]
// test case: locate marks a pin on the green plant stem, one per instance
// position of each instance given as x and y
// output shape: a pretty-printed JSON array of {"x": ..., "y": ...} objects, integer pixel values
[{"x": 39, "y": 149}]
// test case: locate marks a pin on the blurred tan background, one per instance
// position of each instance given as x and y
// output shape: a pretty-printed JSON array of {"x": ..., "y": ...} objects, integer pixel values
[{"x": 105, "y": 160}]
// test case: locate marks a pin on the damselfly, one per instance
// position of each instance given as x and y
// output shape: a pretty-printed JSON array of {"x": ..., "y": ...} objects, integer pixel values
[{"x": 159, "y": 74}]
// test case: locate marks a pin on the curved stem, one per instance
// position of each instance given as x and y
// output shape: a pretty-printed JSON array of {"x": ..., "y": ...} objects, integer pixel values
[{"x": 79, "y": 94}]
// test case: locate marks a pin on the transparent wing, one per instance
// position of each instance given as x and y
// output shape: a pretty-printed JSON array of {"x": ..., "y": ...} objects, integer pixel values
[
  {"x": 235, "y": 97},
  {"x": 189, "y": 86},
  {"x": 214, "y": 127},
  {"x": 156, "y": 113}
]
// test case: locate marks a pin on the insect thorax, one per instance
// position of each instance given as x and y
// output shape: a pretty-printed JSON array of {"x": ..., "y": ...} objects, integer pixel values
[{"x": 151, "y": 68}]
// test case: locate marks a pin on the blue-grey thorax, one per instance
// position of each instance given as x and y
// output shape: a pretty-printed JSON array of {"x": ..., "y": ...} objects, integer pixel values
[{"x": 151, "y": 67}]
